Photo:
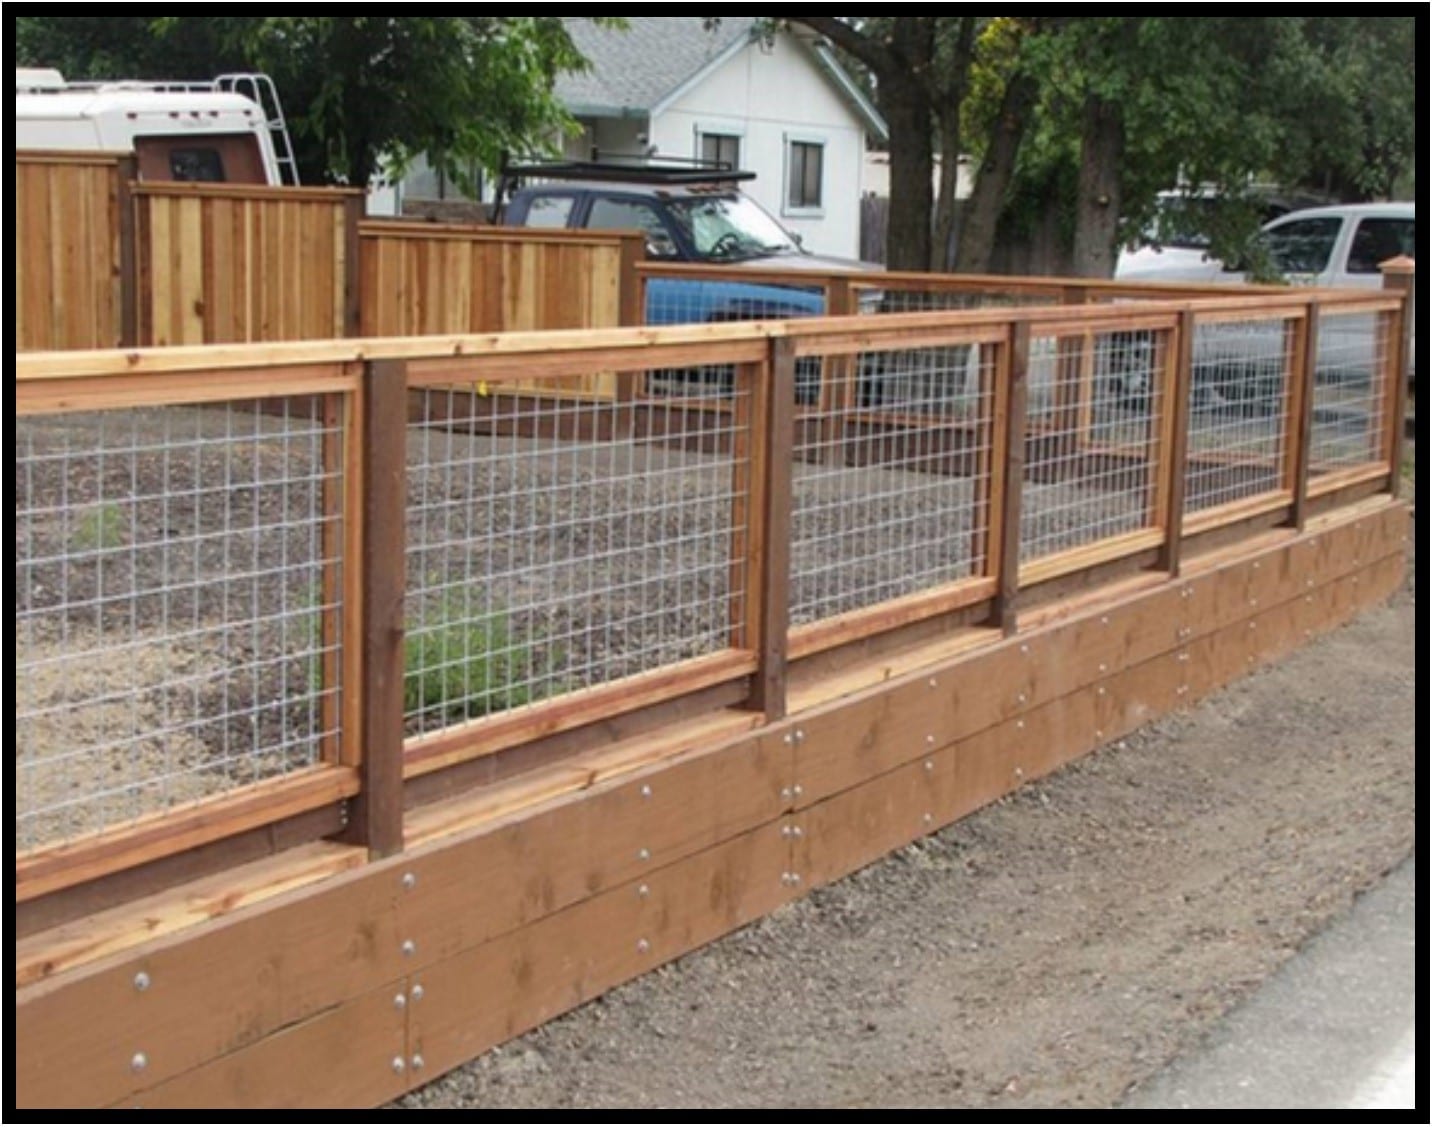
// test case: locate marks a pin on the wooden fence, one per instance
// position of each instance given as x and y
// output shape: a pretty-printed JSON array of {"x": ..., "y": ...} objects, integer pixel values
[
  {"x": 73, "y": 250},
  {"x": 355, "y": 739},
  {"x": 105, "y": 261}
]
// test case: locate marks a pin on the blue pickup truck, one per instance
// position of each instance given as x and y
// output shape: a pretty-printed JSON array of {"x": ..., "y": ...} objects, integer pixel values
[{"x": 690, "y": 213}]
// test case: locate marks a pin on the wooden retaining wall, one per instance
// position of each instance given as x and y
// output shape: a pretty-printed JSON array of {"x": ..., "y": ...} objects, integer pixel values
[{"x": 315, "y": 979}]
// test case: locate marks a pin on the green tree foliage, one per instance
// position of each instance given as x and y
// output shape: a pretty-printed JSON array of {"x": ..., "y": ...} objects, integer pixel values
[
  {"x": 357, "y": 91},
  {"x": 1304, "y": 102}
]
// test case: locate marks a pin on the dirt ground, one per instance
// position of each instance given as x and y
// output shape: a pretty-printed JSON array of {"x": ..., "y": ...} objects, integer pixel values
[{"x": 1049, "y": 951}]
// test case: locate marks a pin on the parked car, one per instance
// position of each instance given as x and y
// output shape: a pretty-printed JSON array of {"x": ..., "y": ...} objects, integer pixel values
[
  {"x": 1337, "y": 246},
  {"x": 690, "y": 211}
]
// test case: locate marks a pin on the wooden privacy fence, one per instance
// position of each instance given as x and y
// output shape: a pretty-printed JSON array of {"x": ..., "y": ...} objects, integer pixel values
[
  {"x": 376, "y": 702},
  {"x": 73, "y": 250},
  {"x": 103, "y": 260}
]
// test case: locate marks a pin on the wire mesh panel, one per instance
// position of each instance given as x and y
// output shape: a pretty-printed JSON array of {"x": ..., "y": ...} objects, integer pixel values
[
  {"x": 894, "y": 499},
  {"x": 1092, "y": 438},
  {"x": 893, "y": 296},
  {"x": 1350, "y": 390},
  {"x": 1240, "y": 386},
  {"x": 558, "y": 545},
  {"x": 174, "y": 573}
]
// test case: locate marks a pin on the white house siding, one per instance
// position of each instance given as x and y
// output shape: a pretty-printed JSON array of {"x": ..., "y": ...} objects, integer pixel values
[{"x": 768, "y": 96}]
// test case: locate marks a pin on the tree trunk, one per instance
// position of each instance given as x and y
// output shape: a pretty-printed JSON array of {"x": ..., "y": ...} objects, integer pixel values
[
  {"x": 1097, "y": 208},
  {"x": 908, "y": 236},
  {"x": 943, "y": 252},
  {"x": 992, "y": 182}
]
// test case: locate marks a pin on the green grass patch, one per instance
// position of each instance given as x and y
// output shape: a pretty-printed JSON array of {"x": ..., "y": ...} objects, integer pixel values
[
  {"x": 457, "y": 669},
  {"x": 99, "y": 528}
]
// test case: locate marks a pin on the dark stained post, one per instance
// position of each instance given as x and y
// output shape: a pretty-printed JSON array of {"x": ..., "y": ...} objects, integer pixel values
[
  {"x": 1399, "y": 275},
  {"x": 773, "y": 416},
  {"x": 126, "y": 171},
  {"x": 352, "y": 266},
  {"x": 1009, "y": 430},
  {"x": 1305, "y": 355},
  {"x": 376, "y": 815},
  {"x": 1178, "y": 378}
]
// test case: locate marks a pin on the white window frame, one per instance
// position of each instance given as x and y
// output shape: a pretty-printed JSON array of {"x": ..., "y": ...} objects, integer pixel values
[
  {"x": 700, "y": 131},
  {"x": 787, "y": 141}
]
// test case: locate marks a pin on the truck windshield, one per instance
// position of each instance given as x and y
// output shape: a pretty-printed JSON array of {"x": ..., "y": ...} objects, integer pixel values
[{"x": 730, "y": 228}]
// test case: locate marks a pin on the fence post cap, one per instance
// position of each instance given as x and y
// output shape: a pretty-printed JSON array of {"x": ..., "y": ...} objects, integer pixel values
[{"x": 1401, "y": 264}]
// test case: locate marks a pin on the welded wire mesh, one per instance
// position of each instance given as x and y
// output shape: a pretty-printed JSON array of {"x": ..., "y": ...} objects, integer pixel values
[
  {"x": 893, "y": 500},
  {"x": 1094, "y": 405},
  {"x": 175, "y": 607},
  {"x": 695, "y": 301},
  {"x": 558, "y": 545},
  {"x": 1350, "y": 392},
  {"x": 892, "y": 296},
  {"x": 1239, "y": 405}
]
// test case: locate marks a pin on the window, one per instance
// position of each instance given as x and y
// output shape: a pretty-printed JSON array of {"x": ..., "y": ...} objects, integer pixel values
[
  {"x": 1302, "y": 246},
  {"x": 722, "y": 149},
  {"x": 548, "y": 211},
  {"x": 202, "y": 165},
  {"x": 803, "y": 175},
  {"x": 626, "y": 215},
  {"x": 1378, "y": 240}
]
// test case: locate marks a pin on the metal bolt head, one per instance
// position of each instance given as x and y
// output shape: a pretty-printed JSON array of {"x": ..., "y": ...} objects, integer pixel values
[
  {"x": 931, "y": 683},
  {"x": 644, "y": 891},
  {"x": 796, "y": 790},
  {"x": 416, "y": 993},
  {"x": 398, "y": 1065},
  {"x": 400, "y": 1001},
  {"x": 409, "y": 948},
  {"x": 141, "y": 981},
  {"x": 796, "y": 831},
  {"x": 417, "y": 1062},
  {"x": 1104, "y": 620},
  {"x": 1024, "y": 647},
  {"x": 785, "y": 792},
  {"x": 1019, "y": 772},
  {"x": 930, "y": 741},
  {"x": 644, "y": 854},
  {"x": 800, "y": 735},
  {"x": 138, "y": 1063},
  {"x": 930, "y": 765},
  {"x": 410, "y": 881},
  {"x": 643, "y": 946},
  {"x": 646, "y": 791},
  {"x": 927, "y": 818},
  {"x": 1020, "y": 724}
]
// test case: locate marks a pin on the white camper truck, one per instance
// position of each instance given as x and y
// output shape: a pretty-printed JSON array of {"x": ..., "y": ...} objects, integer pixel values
[{"x": 230, "y": 130}]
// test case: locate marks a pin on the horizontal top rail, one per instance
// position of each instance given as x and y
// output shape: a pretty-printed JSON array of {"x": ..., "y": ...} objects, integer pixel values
[
  {"x": 66, "y": 156},
  {"x": 185, "y": 189},
  {"x": 887, "y": 327},
  {"x": 481, "y": 232}
]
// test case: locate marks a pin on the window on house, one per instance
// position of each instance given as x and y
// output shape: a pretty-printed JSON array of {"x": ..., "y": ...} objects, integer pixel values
[
  {"x": 803, "y": 175},
  {"x": 721, "y": 149}
]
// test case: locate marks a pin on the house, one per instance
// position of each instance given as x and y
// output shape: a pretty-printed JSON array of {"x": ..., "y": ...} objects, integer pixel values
[{"x": 777, "y": 103}]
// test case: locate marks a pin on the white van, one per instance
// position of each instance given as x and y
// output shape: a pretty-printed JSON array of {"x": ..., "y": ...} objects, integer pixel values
[
  {"x": 230, "y": 130},
  {"x": 1340, "y": 246}
]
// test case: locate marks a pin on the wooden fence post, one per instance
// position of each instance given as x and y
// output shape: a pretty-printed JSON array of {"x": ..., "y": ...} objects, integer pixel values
[
  {"x": 773, "y": 432},
  {"x": 126, "y": 171},
  {"x": 1178, "y": 377},
  {"x": 376, "y": 813},
  {"x": 352, "y": 266},
  {"x": 1398, "y": 274},
  {"x": 838, "y": 378},
  {"x": 631, "y": 311},
  {"x": 1301, "y": 414},
  {"x": 1008, "y": 421}
]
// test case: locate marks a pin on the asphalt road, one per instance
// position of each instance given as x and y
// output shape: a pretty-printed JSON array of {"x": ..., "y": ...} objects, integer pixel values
[{"x": 1333, "y": 1029}]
